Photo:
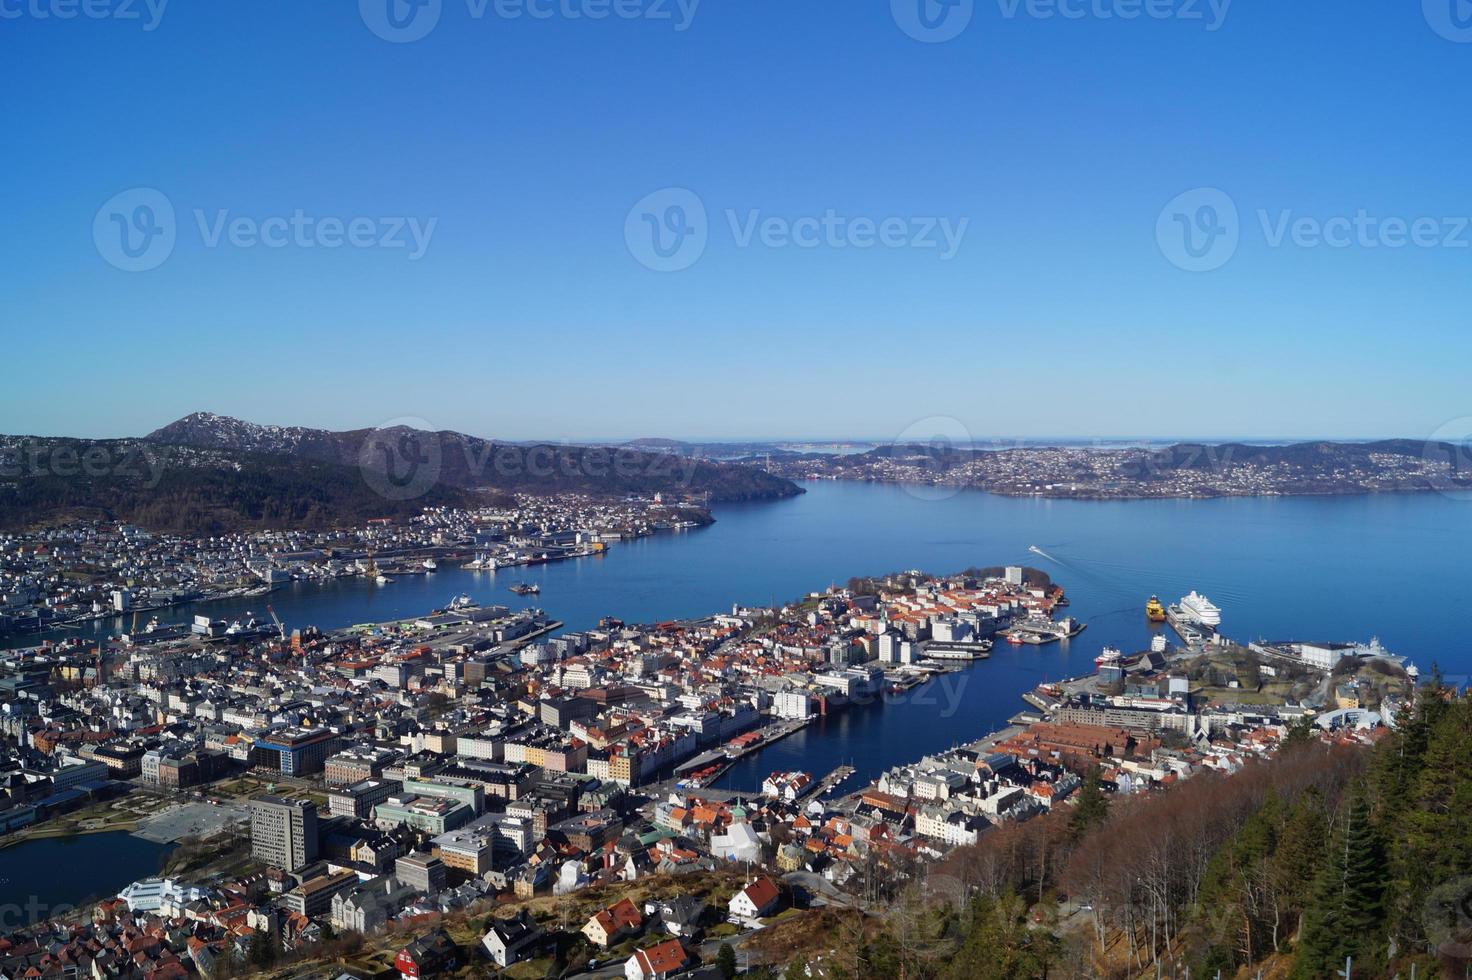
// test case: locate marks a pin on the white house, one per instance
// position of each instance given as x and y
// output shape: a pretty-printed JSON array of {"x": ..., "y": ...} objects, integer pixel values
[
  {"x": 657, "y": 962},
  {"x": 756, "y": 900},
  {"x": 511, "y": 940}
]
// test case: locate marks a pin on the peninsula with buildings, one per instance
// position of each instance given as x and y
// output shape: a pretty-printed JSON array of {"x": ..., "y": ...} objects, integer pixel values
[
  {"x": 97, "y": 572},
  {"x": 471, "y": 790}
]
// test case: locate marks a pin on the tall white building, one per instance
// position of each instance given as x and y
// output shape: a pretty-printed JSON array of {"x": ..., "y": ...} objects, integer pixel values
[{"x": 792, "y": 704}]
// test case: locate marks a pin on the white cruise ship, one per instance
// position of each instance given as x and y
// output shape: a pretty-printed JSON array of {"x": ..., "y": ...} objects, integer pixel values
[{"x": 1201, "y": 609}]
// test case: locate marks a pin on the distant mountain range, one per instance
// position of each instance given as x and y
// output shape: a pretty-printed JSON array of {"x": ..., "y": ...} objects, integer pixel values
[
  {"x": 208, "y": 474},
  {"x": 189, "y": 491},
  {"x": 470, "y": 462}
]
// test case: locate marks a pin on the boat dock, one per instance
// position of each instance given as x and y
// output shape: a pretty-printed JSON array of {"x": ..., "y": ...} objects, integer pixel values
[
  {"x": 828, "y": 783},
  {"x": 935, "y": 650},
  {"x": 770, "y": 735},
  {"x": 701, "y": 761},
  {"x": 743, "y": 745},
  {"x": 1038, "y": 701}
]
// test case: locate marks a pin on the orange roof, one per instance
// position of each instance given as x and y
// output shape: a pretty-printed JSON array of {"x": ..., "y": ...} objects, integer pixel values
[
  {"x": 623, "y": 914},
  {"x": 667, "y": 957}
]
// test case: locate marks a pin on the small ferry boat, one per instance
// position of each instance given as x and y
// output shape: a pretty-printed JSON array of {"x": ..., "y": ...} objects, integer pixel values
[{"x": 524, "y": 588}]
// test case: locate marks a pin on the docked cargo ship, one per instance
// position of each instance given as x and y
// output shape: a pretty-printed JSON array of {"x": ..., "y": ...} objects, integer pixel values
[{"x": 1154, "y": 611}]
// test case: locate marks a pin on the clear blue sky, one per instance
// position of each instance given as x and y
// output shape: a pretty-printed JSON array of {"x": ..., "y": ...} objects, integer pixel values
[{"x": 528, "y": 141}]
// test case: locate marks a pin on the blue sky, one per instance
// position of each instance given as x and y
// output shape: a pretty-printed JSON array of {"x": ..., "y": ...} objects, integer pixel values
[{"x": 526, "y": 141}]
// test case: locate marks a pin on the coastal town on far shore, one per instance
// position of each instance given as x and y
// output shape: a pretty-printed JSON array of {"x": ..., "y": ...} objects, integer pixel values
[
  {"x": 477, "y": 786},
  {"x": 1106, "y": 471},
  {"x": 82, "y": 572}
]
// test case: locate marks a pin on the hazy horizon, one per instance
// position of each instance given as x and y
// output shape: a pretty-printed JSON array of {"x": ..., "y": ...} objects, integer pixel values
[{"x": 912, "y": 434}]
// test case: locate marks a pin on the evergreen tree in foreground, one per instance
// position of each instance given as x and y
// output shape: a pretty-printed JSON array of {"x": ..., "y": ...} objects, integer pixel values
[
  {"x": 1092, "y": 807},
  {"x": 1346, "y": 915}
]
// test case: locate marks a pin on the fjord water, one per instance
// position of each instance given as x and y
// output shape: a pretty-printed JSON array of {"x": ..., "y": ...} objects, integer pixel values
[
  {"x": 51, "y": 876},
  {"x": 1328, "y": 568}
]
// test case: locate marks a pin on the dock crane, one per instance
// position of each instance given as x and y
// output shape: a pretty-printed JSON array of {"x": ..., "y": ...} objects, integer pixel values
[{"x": 280, "y": 627}]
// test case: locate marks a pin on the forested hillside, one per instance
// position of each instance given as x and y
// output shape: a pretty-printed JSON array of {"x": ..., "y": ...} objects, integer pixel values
[
  {"x": 1324, "y": 853},
  {"x": 193, "y": 491}
]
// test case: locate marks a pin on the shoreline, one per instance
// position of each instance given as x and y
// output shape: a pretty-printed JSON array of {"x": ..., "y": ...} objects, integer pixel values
[{"x": 1092, "y": 497}]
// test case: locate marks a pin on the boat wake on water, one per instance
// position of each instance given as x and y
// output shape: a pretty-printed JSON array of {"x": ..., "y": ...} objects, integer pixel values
[
  {"x": 1123, "y": 579},
  {"x": 1103, "y": 583}
]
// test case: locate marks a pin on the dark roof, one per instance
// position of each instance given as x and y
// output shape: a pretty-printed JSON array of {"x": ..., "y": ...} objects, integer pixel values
[
  {"x": 431, "y": 948},
  {"x": 682, "y": 910},
  {"x": 517, "y": 930}
]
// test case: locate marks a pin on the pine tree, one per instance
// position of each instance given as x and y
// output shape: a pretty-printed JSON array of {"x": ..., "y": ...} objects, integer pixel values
[
  {"x": 726, "y": 961},
  {"x": 1301, "y": 732},
  {"x": 1427, "y": 807},
  {"x": 1299, "y": 852},
  {"x": 1092, "y": 807},
  {"x": 1000, "y": 946},
  {"x": 1364, "y": 881},
  {"x": 1346, "y": 916}
]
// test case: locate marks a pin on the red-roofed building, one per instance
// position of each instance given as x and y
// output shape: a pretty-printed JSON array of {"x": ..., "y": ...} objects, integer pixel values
[
  {"x": 657, "y": 962},
  {"x": 756, "y": 900},
  {"x": 610, "y": 925}
]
